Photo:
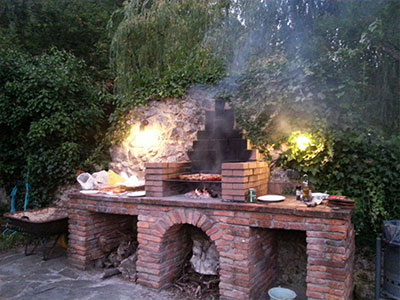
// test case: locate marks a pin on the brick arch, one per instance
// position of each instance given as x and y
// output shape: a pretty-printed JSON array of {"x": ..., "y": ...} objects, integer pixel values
[
  {"x": 191, "y": 217},
  {"x": 162, "y": 246}
]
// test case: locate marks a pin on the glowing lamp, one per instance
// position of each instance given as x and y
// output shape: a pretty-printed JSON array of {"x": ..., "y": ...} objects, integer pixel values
[
  {"x": 146, "y": 138},
  {"x": 302, "y": 142}
]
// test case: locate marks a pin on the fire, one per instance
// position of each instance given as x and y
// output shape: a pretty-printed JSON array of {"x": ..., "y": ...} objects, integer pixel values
[{"x": 199, "y": 194}]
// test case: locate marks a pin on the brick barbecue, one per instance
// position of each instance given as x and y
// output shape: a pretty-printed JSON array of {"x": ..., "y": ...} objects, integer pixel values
[
  {"x": 218, "y": 149},
  {"x": 245, "y": 234}
]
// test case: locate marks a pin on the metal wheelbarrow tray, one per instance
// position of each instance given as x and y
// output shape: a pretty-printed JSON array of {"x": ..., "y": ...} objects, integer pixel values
[{"x": 39, "y": 225}]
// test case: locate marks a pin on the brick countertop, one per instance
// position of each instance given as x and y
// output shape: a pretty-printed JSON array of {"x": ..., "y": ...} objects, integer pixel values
[
  {"x": 288, "y": 206},
  {"x": 239, "y": 230}
]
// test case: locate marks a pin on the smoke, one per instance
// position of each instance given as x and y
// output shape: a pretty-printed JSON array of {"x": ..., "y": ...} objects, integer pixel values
[
  {"x": 253, "y": 34},
  {"x": 291, "y": 63}
]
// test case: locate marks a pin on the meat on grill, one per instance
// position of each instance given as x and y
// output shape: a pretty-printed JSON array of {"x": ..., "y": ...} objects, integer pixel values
[{"x": 200, "y": 177}]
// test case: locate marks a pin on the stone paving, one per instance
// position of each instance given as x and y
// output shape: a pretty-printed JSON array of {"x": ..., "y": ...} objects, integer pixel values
[{"x": 30, "y": 278}]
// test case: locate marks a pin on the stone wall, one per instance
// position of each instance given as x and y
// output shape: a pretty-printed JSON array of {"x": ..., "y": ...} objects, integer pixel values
[{"x": 163, "y": 131}]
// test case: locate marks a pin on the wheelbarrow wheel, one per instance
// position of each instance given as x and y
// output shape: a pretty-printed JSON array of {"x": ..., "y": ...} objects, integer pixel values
[
  {"x": 49, "y": 251},
  {"x": 63, "y": 241},
  {"x": 31, "y": 244}
]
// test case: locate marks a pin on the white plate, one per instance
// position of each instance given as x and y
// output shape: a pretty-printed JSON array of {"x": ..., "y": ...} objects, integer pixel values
[
  {"x": 115, "y": 194},
  {"x": 89, "y": 191},
  {"x": 320, "y": 195},
  {"x": 137, "y": 194},
  {"x": 271, "y": 198}
]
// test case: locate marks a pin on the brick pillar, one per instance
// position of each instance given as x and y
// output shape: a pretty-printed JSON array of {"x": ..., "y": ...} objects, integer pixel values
[
  {"x": 330, "y": 261},
  {"x": 237, "y": 178},
  {"x": 160, "y": 258},
  {"x": 84, "y": 229},
  {"x": 263, "y": 261},
  {"x": 235, "y": 275},
  {"x": 156, "y": 173},
  {"x": 248, "y": 262}
]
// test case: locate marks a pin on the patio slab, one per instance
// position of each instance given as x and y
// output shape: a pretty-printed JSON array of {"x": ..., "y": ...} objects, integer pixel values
[{"x": 30, "y": 278}]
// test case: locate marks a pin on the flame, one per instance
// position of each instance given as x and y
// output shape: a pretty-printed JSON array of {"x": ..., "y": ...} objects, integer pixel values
[{"x": 302, "y": 142}]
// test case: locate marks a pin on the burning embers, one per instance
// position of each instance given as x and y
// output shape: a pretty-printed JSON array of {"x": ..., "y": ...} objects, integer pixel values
[
  {"x": 204, "y": 193},
  {"x": 197, "y": 179}
]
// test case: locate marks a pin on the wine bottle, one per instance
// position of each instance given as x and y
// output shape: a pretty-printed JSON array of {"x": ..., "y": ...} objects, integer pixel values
[{"x": 305, "y": 189}]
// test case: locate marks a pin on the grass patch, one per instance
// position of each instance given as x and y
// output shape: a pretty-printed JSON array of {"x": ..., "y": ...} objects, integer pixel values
[{"x": 9, "y": 241}]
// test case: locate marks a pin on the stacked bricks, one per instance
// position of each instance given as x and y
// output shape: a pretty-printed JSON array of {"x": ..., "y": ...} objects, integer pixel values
[
  {"x": 248, "y": 261},
  {"x": 330, "y": 261},
  {"x": 156, "y": 173},
  {"x": 238, "y": 178},
  {"x": 84, "y": 229},
  {"x": 263, "y": 256},
  {"x": 166, "y": 256},
  {"x": 235, "y": 250},
  {"x": 243, "y": 233},
  {"x": 254, "y": 154}
]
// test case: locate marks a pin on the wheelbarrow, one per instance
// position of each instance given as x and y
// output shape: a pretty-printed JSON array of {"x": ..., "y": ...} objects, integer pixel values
[
  {"x": 39, "y": 225},
  {"x": 8, "y": 232}
]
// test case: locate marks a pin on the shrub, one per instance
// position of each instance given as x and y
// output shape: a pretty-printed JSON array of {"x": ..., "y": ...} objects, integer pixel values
[
  {"x": 331, "y": 71},
  {"x": 50, "y": 118},
  {"x": 79, "y": 27},
  {"x": 362, "y": 166},
  {"x": 157, "y": 53}
]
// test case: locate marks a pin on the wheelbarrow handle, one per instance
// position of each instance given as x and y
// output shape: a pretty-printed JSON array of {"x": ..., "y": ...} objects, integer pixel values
[
  {"x": 14, "y": 193},
  {"x": 27, "y": 189}
]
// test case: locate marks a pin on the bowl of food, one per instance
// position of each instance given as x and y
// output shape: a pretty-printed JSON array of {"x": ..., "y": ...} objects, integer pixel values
[{"x": 318, "y": 197}]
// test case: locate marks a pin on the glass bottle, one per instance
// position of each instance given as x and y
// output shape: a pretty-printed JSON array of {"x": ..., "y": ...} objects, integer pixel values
[
  {"x": 298, "y": 192},
  {"x": 305, "y": 189}
]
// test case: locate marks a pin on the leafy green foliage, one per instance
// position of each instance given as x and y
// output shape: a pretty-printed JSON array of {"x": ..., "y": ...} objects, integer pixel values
[
  {"x": 315, "y": 154},
  {"x": 357, "y": 64},
  {"x": 75, "y": 26},
  {"x": 14, "y": 241},
  {"x": 157, "y": 52},
  {"x": 328, "y": 69},
  {"x": 274, "y": 97},
  {"x": 336, "y": 61},
  {"x": 50, "y": 120},
  {"x": 53, "y": 118},
  {"x": 159, "y": 41},
  {"x": 365, "y": 168}
]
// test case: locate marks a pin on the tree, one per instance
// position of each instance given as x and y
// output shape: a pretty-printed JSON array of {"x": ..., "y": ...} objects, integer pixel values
[{"x": 50, "y": 120}]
